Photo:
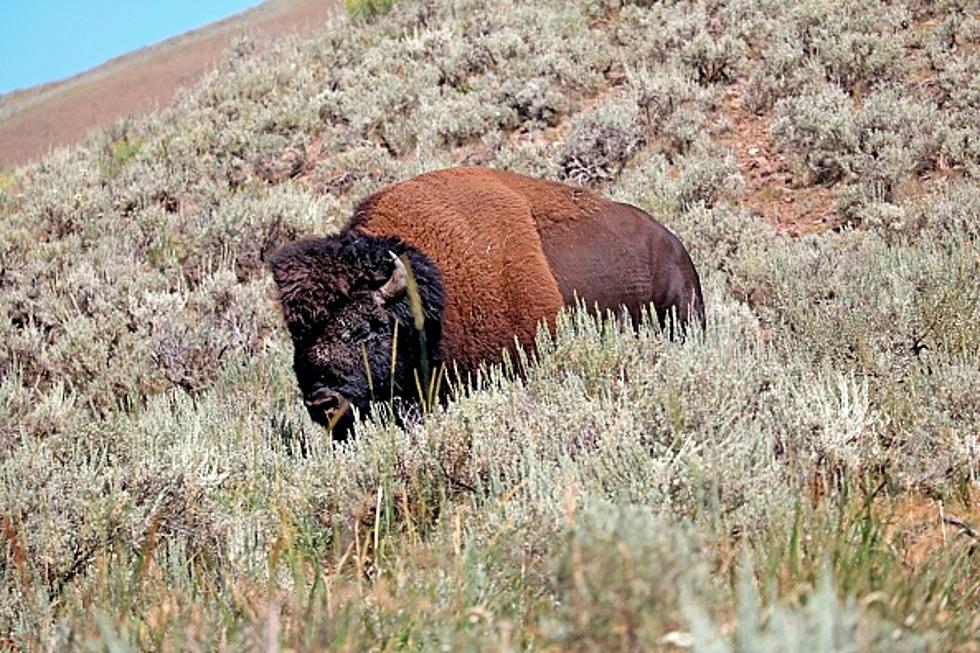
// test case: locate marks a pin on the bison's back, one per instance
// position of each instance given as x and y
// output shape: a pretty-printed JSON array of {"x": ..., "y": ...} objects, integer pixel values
[{"x": 480, "y": 227}]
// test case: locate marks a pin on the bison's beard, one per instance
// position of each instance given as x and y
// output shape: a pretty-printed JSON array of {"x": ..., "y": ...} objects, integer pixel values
[
  {"x": 337, "y": 408},
  {"x": 397, "y": 397}
]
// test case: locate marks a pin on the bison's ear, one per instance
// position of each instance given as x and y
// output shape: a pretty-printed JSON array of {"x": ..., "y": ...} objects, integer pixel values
[{"x": 305, "y": 285}]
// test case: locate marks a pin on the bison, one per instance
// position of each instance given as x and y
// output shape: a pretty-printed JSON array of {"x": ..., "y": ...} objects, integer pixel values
[{"x": 456, "y": 266}]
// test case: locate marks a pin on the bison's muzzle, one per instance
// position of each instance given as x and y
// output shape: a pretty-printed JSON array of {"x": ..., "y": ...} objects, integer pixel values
[{"x": 328, "y": 407}]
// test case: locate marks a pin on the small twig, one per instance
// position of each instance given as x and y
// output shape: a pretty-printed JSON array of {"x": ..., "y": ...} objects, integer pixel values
[
  {"x": 965, "y": 528},
  {"x": 453, "y": 480},
  {"x": 877, "y": 490}
]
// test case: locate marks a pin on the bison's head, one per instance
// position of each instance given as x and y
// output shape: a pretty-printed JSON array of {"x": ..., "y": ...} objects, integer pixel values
[{"x": 344, "y": 298}]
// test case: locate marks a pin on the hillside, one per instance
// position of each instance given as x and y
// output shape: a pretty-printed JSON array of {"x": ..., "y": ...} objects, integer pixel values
[
  {"x": 804, "y": 477},
  {"x": 33, "y": 121}
]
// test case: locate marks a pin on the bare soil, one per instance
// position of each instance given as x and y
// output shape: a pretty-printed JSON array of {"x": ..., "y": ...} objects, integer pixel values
[
  {"x": 919, "y": 526},
  {"x": 35, "y": 120},
  {"x": 773, "y": 190}
]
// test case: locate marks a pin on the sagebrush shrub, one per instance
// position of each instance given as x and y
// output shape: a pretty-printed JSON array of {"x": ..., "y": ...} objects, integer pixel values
[
  {"x": 818, "y": 128},
  {"x": 162, "y": 486},
  {"x": 712, "y": 59},
  {"x": 672, "y": 106},
  {"x": 601, "y": 141},
  {"x": 656, "y": 34},
  {"x": 367, "y": 8}
]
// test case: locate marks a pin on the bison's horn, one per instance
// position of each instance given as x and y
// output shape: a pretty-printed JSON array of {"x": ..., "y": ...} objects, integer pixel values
[{"x": 395, "y": 286}]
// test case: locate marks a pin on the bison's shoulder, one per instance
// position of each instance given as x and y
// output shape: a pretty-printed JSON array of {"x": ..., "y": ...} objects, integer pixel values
[{"x": 480, "y": 227}]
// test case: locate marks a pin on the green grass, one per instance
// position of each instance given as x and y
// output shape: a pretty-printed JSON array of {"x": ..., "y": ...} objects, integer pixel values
[
  {"x": 367, "y": 8},
  {"x": 804, "y": 477},
  {"x": 118, "y": 153}
]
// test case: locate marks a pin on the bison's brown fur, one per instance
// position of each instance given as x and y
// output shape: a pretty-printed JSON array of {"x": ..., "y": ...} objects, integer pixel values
[
  {"x": 513, "y": 250},
  {"x": 497, "y": 254}
]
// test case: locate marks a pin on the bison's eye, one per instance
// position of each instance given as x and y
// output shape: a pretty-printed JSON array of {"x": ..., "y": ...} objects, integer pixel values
[{"x": 354, "y": 334}]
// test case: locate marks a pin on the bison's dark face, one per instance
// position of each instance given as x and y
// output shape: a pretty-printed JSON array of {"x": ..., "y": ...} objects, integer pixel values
[{"x": 344, "y": 298}]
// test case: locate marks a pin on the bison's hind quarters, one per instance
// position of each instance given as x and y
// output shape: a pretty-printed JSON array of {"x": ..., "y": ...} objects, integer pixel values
[
  {"x": 685, "y": 316},
  {"x": 618, "y": 255}
]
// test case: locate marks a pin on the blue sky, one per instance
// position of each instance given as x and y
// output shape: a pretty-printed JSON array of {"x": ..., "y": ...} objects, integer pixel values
[{"x": 46, "y": 40}]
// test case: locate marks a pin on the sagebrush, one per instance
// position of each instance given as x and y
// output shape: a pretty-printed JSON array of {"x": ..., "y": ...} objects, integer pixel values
[{"x": 803, "y": 477}]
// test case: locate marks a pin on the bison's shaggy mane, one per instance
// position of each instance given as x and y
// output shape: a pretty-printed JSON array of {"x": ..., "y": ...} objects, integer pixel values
[{"x": 315, "y": 275}]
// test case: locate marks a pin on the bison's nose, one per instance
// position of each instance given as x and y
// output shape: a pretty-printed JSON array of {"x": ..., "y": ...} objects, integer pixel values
[
  {"x": 332, "y": 404},
  {"x": 324, "y": 399}
]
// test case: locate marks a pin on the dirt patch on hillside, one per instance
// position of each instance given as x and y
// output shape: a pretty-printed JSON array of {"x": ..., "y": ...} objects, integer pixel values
[
  {"x": 33, "y": 121},
  {"x": 772, "y": 190},
  {"x": 920, "y": 526}
]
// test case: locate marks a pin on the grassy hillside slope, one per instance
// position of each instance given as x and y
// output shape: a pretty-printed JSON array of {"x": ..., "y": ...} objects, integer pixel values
[{"x": 806, "y": 478}]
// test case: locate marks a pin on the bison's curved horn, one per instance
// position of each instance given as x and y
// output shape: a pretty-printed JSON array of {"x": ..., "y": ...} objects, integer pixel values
[{"x": 395, "y": 286}]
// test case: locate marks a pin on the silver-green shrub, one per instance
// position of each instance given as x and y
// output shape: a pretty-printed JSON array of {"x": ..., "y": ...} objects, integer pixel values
[
  {"x": 601, "y": 141},
  {"x": 778, "y": 482}
]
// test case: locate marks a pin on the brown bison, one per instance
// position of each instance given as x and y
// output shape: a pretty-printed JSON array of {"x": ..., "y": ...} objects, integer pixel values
[{"x": 484, "y": 256}]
